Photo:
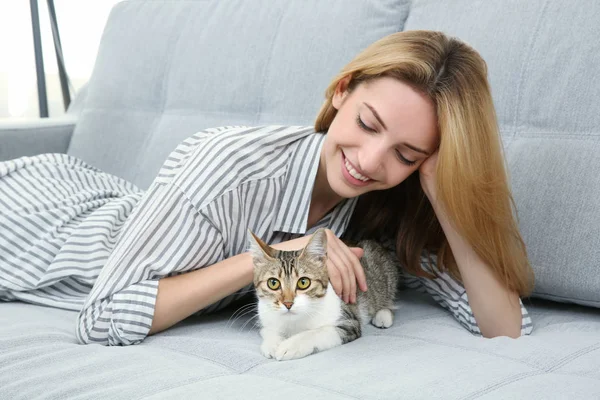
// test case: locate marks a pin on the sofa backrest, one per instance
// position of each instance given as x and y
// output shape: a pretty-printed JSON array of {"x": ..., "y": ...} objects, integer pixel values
[
  {"x": 167, "y": 69},
  {"x": 544, "y": 67}
]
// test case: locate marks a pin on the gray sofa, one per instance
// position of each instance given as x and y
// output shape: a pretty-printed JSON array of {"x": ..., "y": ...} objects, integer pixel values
[{"x": 166, "y": 69}]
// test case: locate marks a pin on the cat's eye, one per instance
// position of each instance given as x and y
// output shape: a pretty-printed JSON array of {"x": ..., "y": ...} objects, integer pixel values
[
  {"x": 303, "y": 283},
  {"x": 273, "y": 284}
]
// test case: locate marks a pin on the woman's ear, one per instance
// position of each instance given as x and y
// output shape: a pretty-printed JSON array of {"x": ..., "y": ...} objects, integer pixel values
[{"x": 341, "y": 90}]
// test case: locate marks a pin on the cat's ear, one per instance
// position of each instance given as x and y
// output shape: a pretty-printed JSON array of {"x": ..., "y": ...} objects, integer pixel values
[
  {"x": 258, "y": 248},
  {"x": 317, "y": 245}
]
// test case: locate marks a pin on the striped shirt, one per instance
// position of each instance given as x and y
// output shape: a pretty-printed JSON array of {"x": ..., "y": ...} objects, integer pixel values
[
  {"x": 74, "y": 237},
  {"x": 452, "y": 295}
]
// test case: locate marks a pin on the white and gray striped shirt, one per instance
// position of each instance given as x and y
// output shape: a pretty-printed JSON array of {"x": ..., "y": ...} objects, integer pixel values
[{"x": 74, "y": 237}]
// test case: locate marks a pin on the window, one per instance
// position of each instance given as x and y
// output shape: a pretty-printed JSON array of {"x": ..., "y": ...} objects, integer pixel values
[{"x": 80, "y": 25}]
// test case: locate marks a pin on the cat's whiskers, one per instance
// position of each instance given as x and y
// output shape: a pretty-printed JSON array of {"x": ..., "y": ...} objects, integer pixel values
[
  {"x": 242, "y": 311},
  {"x": 285, "y": 271},
  {"x": 246, "y": 323},
  {"x": 231, "y": 323},
  {"x": 245, "y": 306},
  {"x": 254, "y": 326}
]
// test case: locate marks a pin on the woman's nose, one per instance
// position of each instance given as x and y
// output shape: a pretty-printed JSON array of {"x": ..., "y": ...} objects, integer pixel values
[{"x": 371, "y": 158}]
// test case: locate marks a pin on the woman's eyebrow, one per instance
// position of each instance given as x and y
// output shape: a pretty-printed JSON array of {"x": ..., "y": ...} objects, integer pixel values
[
  {"x": 375, "y": 114},
  {"x": 410, "y": 146}
]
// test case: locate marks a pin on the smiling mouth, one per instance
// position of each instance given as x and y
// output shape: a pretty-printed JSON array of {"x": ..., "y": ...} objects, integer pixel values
[{"x": 352, "y": 175}]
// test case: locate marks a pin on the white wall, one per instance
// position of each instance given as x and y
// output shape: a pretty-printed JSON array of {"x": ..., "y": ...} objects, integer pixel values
[{"x": 80, "y": 23}]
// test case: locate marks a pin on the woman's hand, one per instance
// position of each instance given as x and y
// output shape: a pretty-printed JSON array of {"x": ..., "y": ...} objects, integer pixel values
[{"x": 344, "y": 268}]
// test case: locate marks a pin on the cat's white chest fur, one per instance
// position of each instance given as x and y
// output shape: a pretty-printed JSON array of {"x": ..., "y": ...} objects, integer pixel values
[
  {"x": 305, "y": 314},
  {"x": 309, "y": 326},
  {"x": 297, "y": 322}
]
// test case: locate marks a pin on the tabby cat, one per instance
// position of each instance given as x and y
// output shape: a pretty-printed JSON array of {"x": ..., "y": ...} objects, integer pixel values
[{"x": 300, "y": 313}]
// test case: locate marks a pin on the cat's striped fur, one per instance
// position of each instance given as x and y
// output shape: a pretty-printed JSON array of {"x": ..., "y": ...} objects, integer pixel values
[{"x": 297, "y": 321}]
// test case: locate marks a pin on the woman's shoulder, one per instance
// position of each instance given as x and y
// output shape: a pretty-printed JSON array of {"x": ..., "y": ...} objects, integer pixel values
[
  {"x": 218, "y": 160},
  {"x": 235, "y": 138},
  {"x": 227, "y": 141}
]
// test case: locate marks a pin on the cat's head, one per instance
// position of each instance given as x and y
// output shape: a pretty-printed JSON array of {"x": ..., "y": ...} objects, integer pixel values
[{"x": 290, "y": 282}]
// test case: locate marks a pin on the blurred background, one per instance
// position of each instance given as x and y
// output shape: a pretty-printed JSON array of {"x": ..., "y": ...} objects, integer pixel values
[{"x": 80, "y": 24}]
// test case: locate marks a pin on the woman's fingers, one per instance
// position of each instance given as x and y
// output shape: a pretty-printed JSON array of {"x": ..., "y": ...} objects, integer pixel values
[
  {"x": 344, "y": 260},
  {"x": 357, "y": 251},
  {"x": 348, "y": 261},
  {"x": 355, "y": 269},
  {"x": 359, "y": 271},
  {"x": 343, "y": 271},
  {"x": 335, "y": 278},
  {"x": 344, "y": 267}
]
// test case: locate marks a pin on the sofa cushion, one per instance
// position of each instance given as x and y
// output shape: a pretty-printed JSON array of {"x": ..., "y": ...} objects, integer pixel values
[
  {"x": 425, "y": 354},
  {"x": 167, "y": 69},
  {"x": 542, "y": 59}
]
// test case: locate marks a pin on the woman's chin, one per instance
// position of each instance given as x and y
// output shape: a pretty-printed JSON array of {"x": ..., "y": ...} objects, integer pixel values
[{"x": 346, "y": 191}]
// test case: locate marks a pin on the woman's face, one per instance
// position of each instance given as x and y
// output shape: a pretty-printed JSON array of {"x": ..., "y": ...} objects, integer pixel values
[{"x": 382, "y": 133}]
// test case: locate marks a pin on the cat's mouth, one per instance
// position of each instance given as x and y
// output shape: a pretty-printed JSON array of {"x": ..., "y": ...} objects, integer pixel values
[
  {"x": 292, "y": 311},
  {"x": 286, "y": 310}
]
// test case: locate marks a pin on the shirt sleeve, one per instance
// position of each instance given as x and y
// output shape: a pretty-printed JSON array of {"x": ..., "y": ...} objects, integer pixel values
[
  {"x": 452, "y": 295},
  {"x": 165, "y": 235}
]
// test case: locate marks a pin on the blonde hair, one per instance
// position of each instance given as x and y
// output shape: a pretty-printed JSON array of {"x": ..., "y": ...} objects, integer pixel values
[{"x": 472, "y": 183}]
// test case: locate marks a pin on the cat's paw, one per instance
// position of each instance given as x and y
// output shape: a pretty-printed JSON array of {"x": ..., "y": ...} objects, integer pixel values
[
  {"x": 269, "y": 347},
  {"x": 384, "y": 318},
  {"x": 294, "y": 347}
]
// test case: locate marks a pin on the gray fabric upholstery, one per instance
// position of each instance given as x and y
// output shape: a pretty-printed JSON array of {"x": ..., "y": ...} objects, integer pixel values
[
  {"x": 545, "y": 80},
  {"x": 166, "y": 69},
  {"x": 32, "y": 136},
  {"x": 426, "y": 354},
  {"x": 29, "y": 137},
  {"x": 198, "y": 73}
]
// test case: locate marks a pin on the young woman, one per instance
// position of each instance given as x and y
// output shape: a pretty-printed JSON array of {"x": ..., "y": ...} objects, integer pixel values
[{"x": 406, "y": 148}]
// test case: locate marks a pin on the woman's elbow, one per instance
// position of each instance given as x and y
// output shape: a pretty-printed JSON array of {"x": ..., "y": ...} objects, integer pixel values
[{"x": 505, "y": 331}]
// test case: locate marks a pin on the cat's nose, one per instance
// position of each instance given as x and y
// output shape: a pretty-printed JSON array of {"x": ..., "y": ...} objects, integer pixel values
[{"x": 288, "y": 304}]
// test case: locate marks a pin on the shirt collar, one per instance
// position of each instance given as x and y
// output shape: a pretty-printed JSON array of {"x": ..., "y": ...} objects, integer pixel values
[{"x": 294, "y": 202}]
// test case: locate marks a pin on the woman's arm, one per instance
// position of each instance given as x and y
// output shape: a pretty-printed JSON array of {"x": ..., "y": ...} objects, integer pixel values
[
  {"x": 165, "y": 235},
  {"x": 182, "y": 295},
  {"x": 497, "y": 310},
  {"x": 451, "y": 294}
]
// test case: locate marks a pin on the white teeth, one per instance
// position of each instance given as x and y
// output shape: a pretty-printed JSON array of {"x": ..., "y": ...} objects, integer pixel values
[{"x": 355, "y": 174}]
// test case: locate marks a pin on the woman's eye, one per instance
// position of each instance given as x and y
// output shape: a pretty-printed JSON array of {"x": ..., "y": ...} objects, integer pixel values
[
  {"x": 303, "y": 283},
  {"x": 364, "y": 126},
  {"x": 273, "y": 284},
  {"x": 404, "y": 160}
]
